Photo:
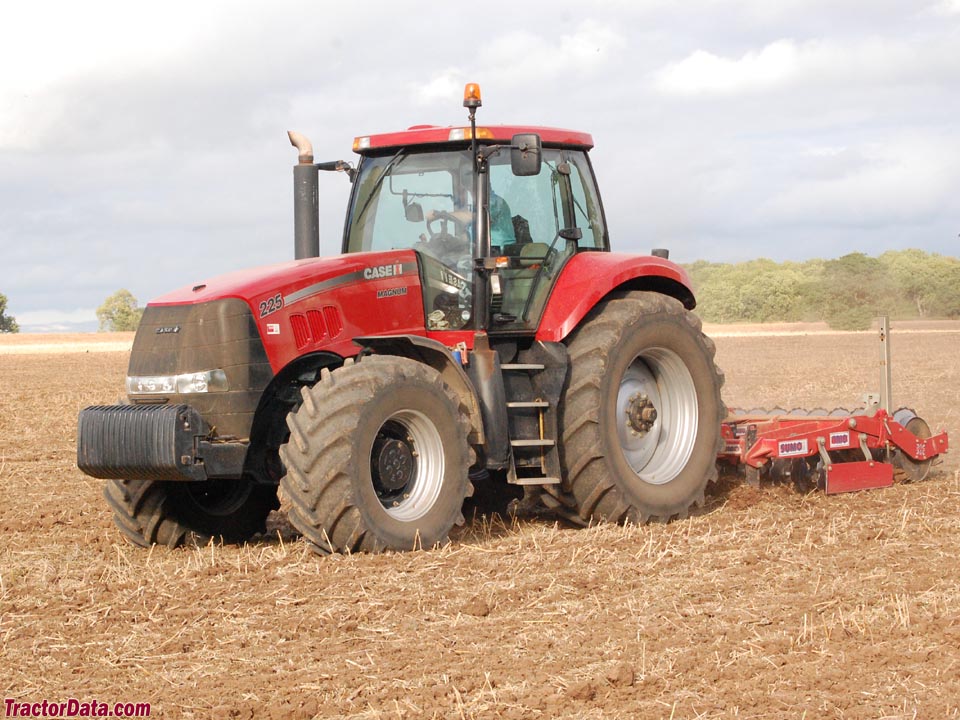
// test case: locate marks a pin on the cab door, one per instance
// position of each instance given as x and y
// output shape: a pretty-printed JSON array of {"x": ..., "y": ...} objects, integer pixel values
[{"x": 537, "y": 223}]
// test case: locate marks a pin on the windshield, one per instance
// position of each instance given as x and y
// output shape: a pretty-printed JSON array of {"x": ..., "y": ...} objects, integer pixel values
[{"x": 422, "y": 201}]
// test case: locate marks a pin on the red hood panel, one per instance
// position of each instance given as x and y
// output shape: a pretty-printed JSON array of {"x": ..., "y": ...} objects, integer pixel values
[
  {"x": 321, "y": 304},
  {"x": 286, "y": 278}
]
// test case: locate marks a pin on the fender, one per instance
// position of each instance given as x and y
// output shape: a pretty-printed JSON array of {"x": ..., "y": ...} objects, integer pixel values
[{"x": 588, "y": 277}]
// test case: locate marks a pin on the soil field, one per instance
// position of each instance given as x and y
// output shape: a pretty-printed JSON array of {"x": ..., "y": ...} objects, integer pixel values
[{"x": 768, "y": 603}]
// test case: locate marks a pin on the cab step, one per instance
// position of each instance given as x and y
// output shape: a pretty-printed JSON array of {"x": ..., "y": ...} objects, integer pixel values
[{"x": 536, "y": 481}]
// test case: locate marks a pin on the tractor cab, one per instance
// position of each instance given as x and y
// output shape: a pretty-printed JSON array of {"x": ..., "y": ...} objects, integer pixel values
[{"x": 494, "y": 213}]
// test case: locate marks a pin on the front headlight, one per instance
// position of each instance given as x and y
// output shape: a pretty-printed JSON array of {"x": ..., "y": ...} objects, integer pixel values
[{"x": 183, "y": 384}]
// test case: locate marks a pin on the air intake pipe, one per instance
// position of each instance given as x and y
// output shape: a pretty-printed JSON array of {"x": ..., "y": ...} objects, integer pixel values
[{"x": 306, "y": 217}]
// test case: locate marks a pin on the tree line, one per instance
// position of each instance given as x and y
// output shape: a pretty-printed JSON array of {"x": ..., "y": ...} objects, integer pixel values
[{"x": 847, "y": 292}]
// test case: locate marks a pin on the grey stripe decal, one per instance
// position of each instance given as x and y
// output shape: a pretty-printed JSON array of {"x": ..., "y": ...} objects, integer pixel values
[{"x": 345, "y": 279}]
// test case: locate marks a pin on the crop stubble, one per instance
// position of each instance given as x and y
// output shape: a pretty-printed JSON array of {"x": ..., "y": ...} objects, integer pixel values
[{"x": 769, "y": 603}]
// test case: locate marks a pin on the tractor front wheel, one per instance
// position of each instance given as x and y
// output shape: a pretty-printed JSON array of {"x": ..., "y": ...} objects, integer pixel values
[
  {"x": 377, "y": 458},
  {"x": 640, "y": 415},
  {"x": 154, "y": 512}
]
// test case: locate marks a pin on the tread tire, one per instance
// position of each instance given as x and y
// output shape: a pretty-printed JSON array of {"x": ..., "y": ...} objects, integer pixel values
[
  {"x": 329, "y": 480},
  {"x": 154, "y": 512},
  {"x": 595, "y": 470}
]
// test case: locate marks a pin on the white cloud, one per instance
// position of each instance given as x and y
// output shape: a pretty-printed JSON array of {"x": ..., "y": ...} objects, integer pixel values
[
  {"x": 946, "y": 7},
  {"x": 703, "y": 72},
  {"x": 46, "y": 44},
  {"x": 903, "y": 180},
  {"x": 519, "y": 58},
  {"x": 524, "y": 62},
  {"x": 442, "y": 88},
  {"x": 823, "y": 63}
]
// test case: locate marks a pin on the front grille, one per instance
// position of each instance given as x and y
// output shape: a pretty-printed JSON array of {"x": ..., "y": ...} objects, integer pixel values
[{"x": 221, "y": 334}]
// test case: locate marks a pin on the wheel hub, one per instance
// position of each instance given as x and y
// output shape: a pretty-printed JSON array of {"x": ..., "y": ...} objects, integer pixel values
[
  {"x": 641, "y": 414},
  {"x": 407, "y": 465},
  {"x": 657, "y": 415},
  {"x": 219, "y": 497},
  {"x": 395, "y": 464}
]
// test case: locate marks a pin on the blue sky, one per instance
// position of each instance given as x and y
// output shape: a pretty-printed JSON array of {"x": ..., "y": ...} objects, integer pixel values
[{"x": 144, "y": 146}]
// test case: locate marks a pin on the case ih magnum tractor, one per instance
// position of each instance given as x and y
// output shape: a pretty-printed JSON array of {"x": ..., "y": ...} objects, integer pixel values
[{"x": 477, "y": 331}]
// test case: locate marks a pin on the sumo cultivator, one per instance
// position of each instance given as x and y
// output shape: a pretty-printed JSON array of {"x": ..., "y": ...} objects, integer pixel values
[{"x": 840, "y": 450}]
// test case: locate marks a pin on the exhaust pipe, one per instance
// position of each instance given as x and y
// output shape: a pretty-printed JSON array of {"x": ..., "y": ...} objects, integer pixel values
[{"x": 306, "y": 218}]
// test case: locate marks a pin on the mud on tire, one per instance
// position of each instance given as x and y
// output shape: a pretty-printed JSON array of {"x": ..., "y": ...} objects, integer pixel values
[
  {"x": 377, "y": 458},
  {"x": 152, "y": 512},
  {"x": 640, "y": 415}
]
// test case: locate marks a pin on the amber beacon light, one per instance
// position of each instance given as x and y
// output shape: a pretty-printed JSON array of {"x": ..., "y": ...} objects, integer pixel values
[{"x": 471, "y": 96}]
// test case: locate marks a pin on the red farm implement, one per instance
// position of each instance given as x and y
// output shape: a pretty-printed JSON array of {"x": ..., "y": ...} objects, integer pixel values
[{"x": 841, "y": 450}]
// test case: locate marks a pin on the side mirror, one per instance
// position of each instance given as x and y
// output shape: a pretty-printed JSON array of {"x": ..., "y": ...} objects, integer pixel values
[
  {"x": 526, "y": 154},
  {"x": 412, "y": 211}
]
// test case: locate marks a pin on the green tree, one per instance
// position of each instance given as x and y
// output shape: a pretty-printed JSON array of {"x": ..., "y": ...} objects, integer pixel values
[
  {"x": 7, "y": 323},
  {"x": 847, "y": 292},
  {"x": 754, "y": 291},
  {"x": 855, "y": 289},
  {"x": 930, "y": 282},
  {"x": 119, "y": 312}
]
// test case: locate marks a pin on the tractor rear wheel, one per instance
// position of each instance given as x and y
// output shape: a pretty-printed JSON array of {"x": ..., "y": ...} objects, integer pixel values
[
  {"x": 377, "y": 458},
  {"x": 154, "y": 512},
  {"x": 640, "y": 415}
]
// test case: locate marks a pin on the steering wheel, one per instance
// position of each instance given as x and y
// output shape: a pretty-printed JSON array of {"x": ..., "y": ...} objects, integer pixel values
[
  {"x": 442, "y": 244},
  {"x": 444, "y": 216}
]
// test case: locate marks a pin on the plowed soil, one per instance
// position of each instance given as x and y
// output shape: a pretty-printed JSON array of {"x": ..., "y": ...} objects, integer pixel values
[{"x": 770, "y": 603}]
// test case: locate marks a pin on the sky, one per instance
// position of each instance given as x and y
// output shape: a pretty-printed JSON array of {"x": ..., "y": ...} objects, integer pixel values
[{"x": 143, "y": 146}]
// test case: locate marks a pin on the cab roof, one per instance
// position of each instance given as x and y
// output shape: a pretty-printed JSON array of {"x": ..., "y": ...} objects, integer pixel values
[{"x": 436, "y": 135}]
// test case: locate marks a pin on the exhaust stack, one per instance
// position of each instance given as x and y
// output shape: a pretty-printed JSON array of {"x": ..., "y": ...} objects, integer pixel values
[{"x": 306, "y": 219}]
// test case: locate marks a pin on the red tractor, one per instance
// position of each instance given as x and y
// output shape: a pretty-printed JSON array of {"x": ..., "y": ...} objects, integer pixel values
[{"x": 476, "y": 332}]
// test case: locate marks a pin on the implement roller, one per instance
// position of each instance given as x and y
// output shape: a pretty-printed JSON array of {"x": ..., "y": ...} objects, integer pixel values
[{"x": 841, "y": 450}]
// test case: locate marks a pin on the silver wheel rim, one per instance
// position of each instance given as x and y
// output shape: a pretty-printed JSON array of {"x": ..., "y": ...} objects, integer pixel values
[
  {"x": 423, "y": 488},
  {"x": 658, "y": 377}
]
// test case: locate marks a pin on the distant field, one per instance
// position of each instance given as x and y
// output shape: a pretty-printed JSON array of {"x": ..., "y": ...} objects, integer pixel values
[
  {"x": 101, "y": 342},
  {"x": 821, "y": 328},
  {"x": 45, "y": 343},
  {"x": 768, "y": 603}
]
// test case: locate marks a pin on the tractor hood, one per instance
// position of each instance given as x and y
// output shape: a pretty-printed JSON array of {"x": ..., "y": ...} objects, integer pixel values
[
  {"x": 294, "y": 280},
  {"x": 302, "y": 307}
]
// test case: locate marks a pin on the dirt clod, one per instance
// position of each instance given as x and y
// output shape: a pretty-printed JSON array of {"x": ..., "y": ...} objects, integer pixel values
[
  {"x": 476, "y": 606},
  {"x": 621, "y": 676},
  {"x": 584, "y": 690}
]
